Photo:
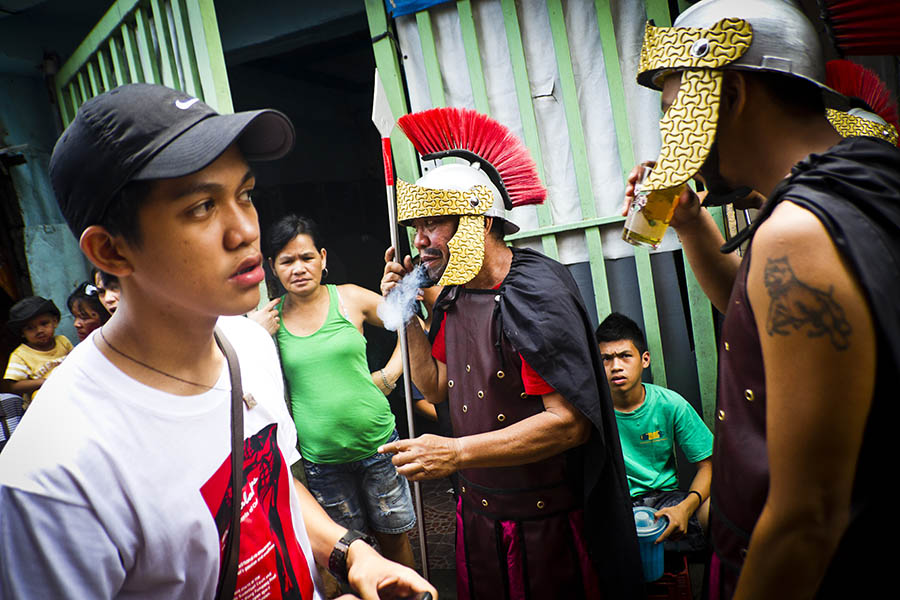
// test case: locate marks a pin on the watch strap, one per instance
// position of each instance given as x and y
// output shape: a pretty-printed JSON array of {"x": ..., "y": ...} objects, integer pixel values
[{"x": 337, "y": 562}]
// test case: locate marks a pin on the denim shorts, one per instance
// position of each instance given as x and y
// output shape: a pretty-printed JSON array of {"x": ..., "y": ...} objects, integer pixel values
[{"x": 367, "y": 494}]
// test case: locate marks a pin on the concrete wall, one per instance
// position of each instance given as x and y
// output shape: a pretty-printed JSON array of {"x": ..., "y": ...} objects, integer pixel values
[{"x": 55, "y": 262}]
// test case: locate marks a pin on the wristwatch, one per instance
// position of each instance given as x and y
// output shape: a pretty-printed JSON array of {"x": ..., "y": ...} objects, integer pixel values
[{"x": 337, "y": 562}]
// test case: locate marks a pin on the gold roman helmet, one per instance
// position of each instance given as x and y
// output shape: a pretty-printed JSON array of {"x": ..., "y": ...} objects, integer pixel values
[
  {"x": 712, "y": 36},
  {"x": 497, "y": 174}
]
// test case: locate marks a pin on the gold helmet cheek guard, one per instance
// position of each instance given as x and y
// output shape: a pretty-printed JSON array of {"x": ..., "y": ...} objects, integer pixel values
[
  {"x": 467, "y": 245},
  {"x": 688, "y": 129}
]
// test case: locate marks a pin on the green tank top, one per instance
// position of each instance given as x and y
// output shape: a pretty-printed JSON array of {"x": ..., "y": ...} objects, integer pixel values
[{"x": 340, "y": 414}]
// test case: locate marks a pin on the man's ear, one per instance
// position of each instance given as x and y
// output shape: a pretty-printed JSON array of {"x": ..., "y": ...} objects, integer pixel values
[
  {"x": 105, "y": 251},
  {"x": 488, "y": 221},
  {"x": 645, "y": 359},
  {"x": 734, "y": 95}
]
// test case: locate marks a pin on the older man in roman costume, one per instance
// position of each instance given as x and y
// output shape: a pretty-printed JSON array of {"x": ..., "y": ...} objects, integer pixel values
[{"x": 543, "y": 510}]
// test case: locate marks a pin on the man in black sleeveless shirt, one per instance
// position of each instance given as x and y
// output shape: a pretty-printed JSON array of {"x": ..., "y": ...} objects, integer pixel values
[{"x": 810, "y": 347}]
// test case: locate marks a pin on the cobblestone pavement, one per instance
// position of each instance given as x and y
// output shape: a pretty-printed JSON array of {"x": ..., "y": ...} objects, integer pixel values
[{"x": 440, "y": 525}]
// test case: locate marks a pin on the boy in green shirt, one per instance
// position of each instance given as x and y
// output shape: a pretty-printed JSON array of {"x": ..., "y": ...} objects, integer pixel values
[{"x": 651, "y": 420}]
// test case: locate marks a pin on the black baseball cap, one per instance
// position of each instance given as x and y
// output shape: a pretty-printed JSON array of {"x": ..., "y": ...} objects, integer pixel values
[
  {"x": 142, "y": 131},
  {"x": 26, "y": 309}
]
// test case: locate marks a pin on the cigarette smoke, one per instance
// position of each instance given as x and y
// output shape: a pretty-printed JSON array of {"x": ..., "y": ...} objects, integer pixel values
[{"x": 400, "y": 304}]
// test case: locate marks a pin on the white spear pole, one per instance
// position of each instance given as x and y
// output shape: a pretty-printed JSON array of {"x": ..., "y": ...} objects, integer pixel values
[{"x": 384, "y": 121}]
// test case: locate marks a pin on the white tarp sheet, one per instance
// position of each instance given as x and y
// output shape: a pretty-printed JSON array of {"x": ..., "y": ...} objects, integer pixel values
[{"x": 606, "y": 171}]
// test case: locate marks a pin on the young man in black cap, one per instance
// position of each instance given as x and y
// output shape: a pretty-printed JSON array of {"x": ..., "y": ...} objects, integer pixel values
[{"x": 134, "y": 496}]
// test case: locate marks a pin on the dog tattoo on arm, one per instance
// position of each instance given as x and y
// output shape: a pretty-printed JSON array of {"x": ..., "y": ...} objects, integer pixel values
[{"x": 796, "y": 306}]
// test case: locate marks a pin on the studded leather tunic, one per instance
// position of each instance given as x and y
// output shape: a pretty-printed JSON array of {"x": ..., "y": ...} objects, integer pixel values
[
  {"x": 516, "y": 525},
  {"x": 740, "y": 458}
]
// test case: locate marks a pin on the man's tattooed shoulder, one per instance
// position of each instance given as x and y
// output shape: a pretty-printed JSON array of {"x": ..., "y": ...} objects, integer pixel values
[{"x": 797, "y": 306}]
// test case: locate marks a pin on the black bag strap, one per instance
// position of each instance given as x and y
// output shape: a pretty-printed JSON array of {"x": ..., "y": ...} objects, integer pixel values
[{"x": 228, "y": 571}]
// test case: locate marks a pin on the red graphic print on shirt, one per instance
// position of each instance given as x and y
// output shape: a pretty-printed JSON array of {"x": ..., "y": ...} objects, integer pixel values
[{"x": 271, "y": 563}]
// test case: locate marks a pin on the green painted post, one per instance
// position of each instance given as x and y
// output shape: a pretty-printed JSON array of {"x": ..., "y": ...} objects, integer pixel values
[
  {"x": 652, "y": 330},
  {"x": 118, "y": 67},
  {"x": 526, "y": 114},
  {"x": 658, "y": 11},
  {"x": 66, "y": 112},
  {"x": 405, "y": 158},
  {"x": 566, "y": 227},
  {"x": 169, "y": 69},
  {"x": 132, "y": 55},
  {"x": 473, "y": 56},
  {"x": 429, "y": 54},
  {"x": 93, "y": 80},
  {"x": 98, "y": 35},
  {"x": 73, "y": 96},
  {"x": 615, "y": 83},
  {"x": 705, "y": 351},
  {"x": 579, "y": 153},
  {"x": 145, "y": 47},
  {"x": 718, "y": 216},
  {"x": 210, "y": 56},
  {"x": 82, "y": 87},
  {"x": 103, "y": 66},
  {"x": 406, "y": 161},
  {"x": 185, "y": 41}
]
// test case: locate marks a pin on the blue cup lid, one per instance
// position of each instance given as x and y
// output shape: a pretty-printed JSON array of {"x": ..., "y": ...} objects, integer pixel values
[{"x": 646, "y": 524}]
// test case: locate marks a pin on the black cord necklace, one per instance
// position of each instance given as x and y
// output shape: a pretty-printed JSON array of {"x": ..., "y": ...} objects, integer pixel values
[{"x": 152, "y": 368}]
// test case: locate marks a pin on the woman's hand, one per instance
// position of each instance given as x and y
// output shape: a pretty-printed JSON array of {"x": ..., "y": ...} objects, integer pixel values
[{"x": 267, "y": 316}]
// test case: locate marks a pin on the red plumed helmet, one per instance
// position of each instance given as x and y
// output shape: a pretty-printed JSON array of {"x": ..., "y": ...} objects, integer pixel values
[{"x": 468, "y": 134}]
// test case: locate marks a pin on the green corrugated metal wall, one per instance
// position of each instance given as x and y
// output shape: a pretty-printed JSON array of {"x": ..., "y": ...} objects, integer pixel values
[
  {"x": 408, "y": 168},
  {"x": 170, "y": 42}
]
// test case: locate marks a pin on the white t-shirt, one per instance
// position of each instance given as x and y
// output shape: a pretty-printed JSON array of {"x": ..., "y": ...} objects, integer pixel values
[{"x": 113, "y": 489}]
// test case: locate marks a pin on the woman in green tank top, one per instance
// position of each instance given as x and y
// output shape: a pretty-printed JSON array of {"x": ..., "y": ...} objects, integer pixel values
[{"x": 339, "y": 408}]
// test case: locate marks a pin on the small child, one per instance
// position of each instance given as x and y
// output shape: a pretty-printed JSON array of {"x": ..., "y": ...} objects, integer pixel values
[
  {"x": 35, "y": 319},
  {"x": 87, "y": 309}
]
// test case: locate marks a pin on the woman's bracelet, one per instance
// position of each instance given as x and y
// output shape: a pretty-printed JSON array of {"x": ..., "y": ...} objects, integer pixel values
[{"x": 390, "y": 386}]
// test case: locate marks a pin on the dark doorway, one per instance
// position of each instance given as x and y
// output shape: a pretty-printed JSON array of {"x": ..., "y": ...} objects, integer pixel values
[
  {"x": 334, "y": 174},
  {"x": 15, "y": 283}
]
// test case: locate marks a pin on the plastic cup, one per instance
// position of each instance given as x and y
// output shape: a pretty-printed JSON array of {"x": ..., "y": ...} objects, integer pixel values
[
  {"x": 649, "y": 214},
  {"x": 648, "y": 529}
]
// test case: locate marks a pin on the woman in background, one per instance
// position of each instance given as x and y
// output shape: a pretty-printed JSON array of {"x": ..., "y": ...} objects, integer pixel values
[
  {"x": 339, "y": 408},
  {"x": 87, "y": 310}
]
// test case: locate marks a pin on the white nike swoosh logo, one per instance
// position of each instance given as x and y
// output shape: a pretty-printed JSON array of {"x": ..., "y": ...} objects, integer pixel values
[{"x": 186, "y": 104}]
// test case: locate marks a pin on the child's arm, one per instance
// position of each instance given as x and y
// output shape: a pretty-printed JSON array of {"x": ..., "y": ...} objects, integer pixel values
[
  {"x": 680, "y": 514},
  {"x": 24, "y": 386}
]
